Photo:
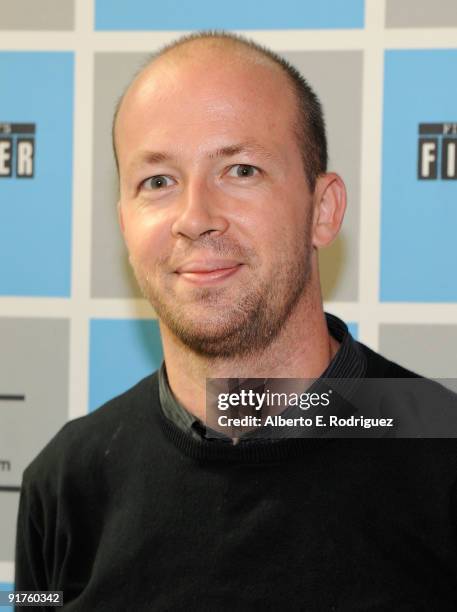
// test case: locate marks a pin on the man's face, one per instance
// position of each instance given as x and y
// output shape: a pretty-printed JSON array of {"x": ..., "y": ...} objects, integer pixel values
[{"x": 214, "y": 205}]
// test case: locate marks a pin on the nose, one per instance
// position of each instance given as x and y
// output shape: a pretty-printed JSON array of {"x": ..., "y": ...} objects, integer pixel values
[{"x": 198, "y": 212}]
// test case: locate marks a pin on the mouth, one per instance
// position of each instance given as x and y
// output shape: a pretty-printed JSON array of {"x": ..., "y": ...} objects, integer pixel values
[{"x": 208, "y": 272}]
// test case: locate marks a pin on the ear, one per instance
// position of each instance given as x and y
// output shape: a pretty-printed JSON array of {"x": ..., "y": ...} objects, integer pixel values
[
  {"x": 120, "y": 217},
  {"x": 329, "y": 207}
]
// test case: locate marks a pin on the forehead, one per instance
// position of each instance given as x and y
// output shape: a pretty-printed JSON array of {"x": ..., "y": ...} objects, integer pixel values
[{"x": 191, "y": 98}]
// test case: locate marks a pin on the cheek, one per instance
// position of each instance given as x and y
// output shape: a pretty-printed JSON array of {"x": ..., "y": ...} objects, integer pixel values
[
  {"x": 260, "y": 215},
  {"x": 145, "y": 241}
]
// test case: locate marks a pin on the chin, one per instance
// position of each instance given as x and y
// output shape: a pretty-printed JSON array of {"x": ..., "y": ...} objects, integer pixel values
[{"x": 204, "y": 328}]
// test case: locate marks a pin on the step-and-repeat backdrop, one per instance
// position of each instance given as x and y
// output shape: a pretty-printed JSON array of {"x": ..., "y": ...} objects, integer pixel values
[{"x": 74, "y": 330}]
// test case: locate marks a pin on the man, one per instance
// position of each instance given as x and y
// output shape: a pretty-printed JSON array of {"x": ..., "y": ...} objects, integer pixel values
[{"x": 224, "y": 203}]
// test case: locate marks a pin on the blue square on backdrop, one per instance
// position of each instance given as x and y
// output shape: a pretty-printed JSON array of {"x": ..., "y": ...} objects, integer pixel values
[
  {"x": 353, "y": 330},
  {"x": 238, "y": 15},
  {"x": 36, "y": 127},
  {"x": 419, "y": 217},
  {"x": 122, "y": 352},
  {"x": 6, "y": 586}
]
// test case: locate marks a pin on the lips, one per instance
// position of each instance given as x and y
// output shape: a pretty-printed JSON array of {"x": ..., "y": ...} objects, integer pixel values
[
  {"x": 207, "y": 266},
  {"x": 208, "y": 271}
]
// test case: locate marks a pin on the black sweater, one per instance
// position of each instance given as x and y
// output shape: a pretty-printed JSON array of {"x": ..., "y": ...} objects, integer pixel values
[{"x": 124, "y": 511}]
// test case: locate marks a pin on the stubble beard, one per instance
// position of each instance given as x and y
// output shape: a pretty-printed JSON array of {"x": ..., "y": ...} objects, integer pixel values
[{"x": 238, "y": 327}]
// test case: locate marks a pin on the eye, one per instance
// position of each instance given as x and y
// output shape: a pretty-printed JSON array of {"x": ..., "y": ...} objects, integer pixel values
[
  {"x": 243, "y": 171},
  {"x": 160, "y": 181}
]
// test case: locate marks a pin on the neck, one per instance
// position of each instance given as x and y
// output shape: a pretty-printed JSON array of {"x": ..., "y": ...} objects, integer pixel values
[{"x": 303, "y": 349}]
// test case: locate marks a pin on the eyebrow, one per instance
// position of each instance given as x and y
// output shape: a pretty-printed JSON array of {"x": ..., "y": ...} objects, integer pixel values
[
  {"x": 157, "y": 157},
  {"x": 244, "y": 147}
]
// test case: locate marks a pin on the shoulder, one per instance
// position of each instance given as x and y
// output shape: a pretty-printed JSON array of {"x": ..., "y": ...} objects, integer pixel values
[
  {"x": 421, "y": 407},
  {"x": 381, "y": 367},
  {"x": 77, "y": 445}
]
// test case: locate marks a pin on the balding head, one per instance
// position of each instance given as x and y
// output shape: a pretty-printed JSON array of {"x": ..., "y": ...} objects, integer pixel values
[{"x": 222, "y": 53}]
